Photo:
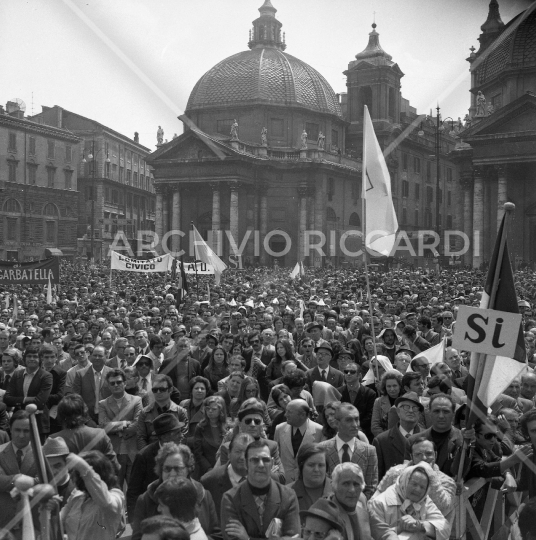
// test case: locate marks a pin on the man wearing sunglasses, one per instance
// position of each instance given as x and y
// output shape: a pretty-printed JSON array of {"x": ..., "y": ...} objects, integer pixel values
[
  {"x": 251, "y": 421},
  {"x": 361, "y": 397},
  {"x": 248, "y": 509},
  {"x": 118, "y": 415}
]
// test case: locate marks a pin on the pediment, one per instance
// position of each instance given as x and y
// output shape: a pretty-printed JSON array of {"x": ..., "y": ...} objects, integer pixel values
[{"x": 517, "y": 117}]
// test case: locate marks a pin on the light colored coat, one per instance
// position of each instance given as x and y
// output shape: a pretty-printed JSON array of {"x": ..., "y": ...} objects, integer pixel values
[
  {"x": 283, "y": 437},
  {"x": 384, "y": 512},
  {"x": 112, "y": 418}
]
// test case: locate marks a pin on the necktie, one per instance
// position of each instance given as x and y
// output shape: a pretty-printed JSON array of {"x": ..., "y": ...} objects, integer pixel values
[
  {"x": 297, "y": 439},
  {"x": 408, "y": 435},
  {"x": 345, "y": 453},
  {"x": 19, "y": 458},
  {"x": 324, "y": 375},
  {"x": 144, "y": 384},
  {"x": 6, "y": 381},
  {"x": 259, "y": 501},
  {"x": 97, "y": 391}
]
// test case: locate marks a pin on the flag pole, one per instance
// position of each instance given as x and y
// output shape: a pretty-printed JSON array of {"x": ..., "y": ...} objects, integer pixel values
[
  {"x": 364, "y": 227},
  {"x": 195, "y": 263}
]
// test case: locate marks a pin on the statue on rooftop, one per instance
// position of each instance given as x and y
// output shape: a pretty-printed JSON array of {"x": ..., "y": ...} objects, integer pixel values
[
  {"x": 160, "y": 135},
  {"x": 480, "y": 104},
  {"x": 264, "y": 136},
  {"x": 321, "y": 140},
  {"x": 304, "y": 139},
  {"x": 234, "y": 131}
]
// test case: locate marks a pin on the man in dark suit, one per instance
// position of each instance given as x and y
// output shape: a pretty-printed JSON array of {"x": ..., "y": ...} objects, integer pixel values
[
  {"x": 119, "y": 360},
  {"x": 225, "y": 477},
  {"x": 392, "y": 445},
  {"x": 345, "y": 446},
  {"x": 31, "y": 385},
  {"x": 9, "y": 366},
  {"x": 323, "y": 371},
  {"x": 59, "y": 376},
  {"x": 248, "y": 509},
  {"x": 424, "y": 324},
  {"x": 256, "y": 361},
  {"x": 16, "y": 457},
  {"x": 361, "y": 397},
  {"x": 181, "y": 367},
  {"x": 416, "y": 343},
  {"x": 454, "y": 361},
  {"x": 90, "y": 382},
  {"x": 167, "y": 428}
]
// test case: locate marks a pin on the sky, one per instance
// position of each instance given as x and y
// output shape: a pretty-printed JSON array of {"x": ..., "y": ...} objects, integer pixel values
[{"x": 131, "y": 64}]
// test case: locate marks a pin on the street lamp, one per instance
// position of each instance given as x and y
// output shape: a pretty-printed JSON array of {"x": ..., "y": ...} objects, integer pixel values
[
  {"x": 92, "y": 156},
  {"x": 439, "y": 128}
]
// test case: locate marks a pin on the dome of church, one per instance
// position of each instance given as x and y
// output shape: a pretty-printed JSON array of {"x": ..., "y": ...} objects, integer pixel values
[
  {"x": 264, "y": 75},
  {"x": 515, "y": 48}
]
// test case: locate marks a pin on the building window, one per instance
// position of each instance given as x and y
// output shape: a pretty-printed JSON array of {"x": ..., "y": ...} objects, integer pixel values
[
  {"x": 224, "y": 126},
  {"x": 51, "y": 173},
  {"x": 12, "y": 142},
  {"x": 449, "y": 174},
  {"x": 114, "y": 171},
  {"x": 428, "y": 219},
  {"x": 68, "y": 153},
  {"x": 428, "y": 171},
  {"x": 416, "y": 218},
  {"x": 440, "y": 195},
  {"x": 50, "y": 232},
  {"x": 12, "y": 229},
  {"x": 404, "y": 162},
  {"x": 392, "y": 103},
  {"x": 334, "y": 138},
  {"x": 330, "y": 214},
  {"x": 51, "y": 149},
  {"x": 32, "y": 174},
  {"x": 68, "y": 179},
  {"x": 107, "y": 194},
  {"x": 13, "y": 206},
  {"x": 32, "y": 146},
  {"x": 115, "y": 196},
  {"x": 277, "y": 127},
  {"x": 496, "y": 101},
  {"x": 449, "y": 221},
  {"x": 449, "y": 198},
  {"x": 355, "y": 220},
  {"x": 404, "y": 216},
  {"x": 365, "y": 98},
  {"x": 331, "y": 189},
  {"x": 405, "y": 188},
  {"x": 129, "y": 176},
  {"x": 136, "y": 179},
  {"x": 417, "y": 165},
  {"x": 417, "y": 192},
  {"x": 312, "y": 131},
  {"x": 121, "y": 174},
  {"x": 107, "y": 167},
  {"x": 89, "y": 193},
  {"x": 429, "y": 194},
  {"x": 12, "y": 171}
]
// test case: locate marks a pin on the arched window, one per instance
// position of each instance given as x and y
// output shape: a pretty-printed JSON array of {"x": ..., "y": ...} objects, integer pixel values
[
  {"x": 365, "y": 95},
  {"x": 12, "y": 205},
  {"x": 50, "y": 210},
  {"x": 355, "y": 220},
  {"x": 330, "y": 214}
]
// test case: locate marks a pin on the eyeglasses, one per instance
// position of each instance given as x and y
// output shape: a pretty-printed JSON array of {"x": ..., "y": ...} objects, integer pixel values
[
  {"x": 259, "y": 460},
  {"x": 489, "y": 436},
  {"x": 407, "y": 407},
  {"x": 130, "y": 354},
  {"x": 170, "y": 468},
  {"x": 350, "y": 371},
  {"x": 250, "y": 421},
  {"x": 159, "y": 389},
  {"x": 314, "y": 534},
  {"x": 115, "y": 383}
]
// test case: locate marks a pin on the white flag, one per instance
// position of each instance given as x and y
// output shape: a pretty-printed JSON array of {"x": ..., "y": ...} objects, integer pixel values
[
  {"x": 298, "y": 270},
  {"x": 205, "y": 254},
  {"x": 49, "y": 291},
  {"x": 380, "y": 223},
  {"x": 434, "y": 354}
]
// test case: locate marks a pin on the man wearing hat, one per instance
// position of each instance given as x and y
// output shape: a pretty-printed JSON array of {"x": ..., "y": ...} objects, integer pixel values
[
  {"x": 167, "y": 428},
  {"x": 321, "y": 518},
  {"x": 348, "y": 483},
  {"x": 251, "y": 419},
  {"x": 323, "y": 371},
  {"x": 392, "y": 445},
  {"x": 315, "y": 331},
  {"x": 56, "y": 452}
]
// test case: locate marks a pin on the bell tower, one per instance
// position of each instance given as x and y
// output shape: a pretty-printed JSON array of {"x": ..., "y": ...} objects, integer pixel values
[
  {"x": 266, "y": 31},
  {"x": 372, "y": 79}
]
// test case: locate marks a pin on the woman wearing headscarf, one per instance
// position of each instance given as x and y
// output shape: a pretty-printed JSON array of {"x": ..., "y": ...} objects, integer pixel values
[
  {"x": 406, "y": 507},
  {"x": 372, "y": 378}
]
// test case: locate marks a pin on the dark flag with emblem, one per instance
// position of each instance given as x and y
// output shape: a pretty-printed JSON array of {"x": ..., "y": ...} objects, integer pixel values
[
  {"x": 182, "y": 283},
  {"x": 498, "y": 371}
]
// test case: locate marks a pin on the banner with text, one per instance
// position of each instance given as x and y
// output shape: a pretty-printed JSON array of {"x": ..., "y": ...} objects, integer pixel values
[
  {"x": 32, "y": 273},
  {"x": 126, "y": 264},
  {"x": 199, "y": 268}
]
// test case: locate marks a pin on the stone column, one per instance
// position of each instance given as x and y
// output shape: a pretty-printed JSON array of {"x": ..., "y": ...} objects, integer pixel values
[
  {"x": 176, "y": 220},
  {"x": 502, "y": 185},
  {"x": 159, "y": 223},
  {"x": 263, "y": 225},
  {"x": 165, "y": 210},
  {"x": 216, "y": 219},
  {"x": 233, "y": 213},
  {"x": 302, "y": 193},
  {"x": 467, "y": 184},
  {"x": 478, "y": 217},
  {"x": 320, "y": 205}
]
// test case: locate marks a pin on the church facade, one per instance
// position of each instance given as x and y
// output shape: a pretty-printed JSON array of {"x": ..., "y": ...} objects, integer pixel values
[{"x": 270, "y": 158}]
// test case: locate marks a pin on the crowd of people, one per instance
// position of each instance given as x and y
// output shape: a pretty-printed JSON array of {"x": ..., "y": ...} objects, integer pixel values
[{"x": 261, "y": 407}]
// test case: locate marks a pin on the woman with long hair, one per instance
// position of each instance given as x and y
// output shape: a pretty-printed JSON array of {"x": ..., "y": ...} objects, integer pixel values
[
  {"x": 283, "y": 351},
  {"x": 209, "y": 433},
  {"x": 281, "y": 396},
  {"x": 195, "y": 409},
  {"x": 390, "y": 388},
  {"x": 96, "y": 508},
  {"x": 217, "y": 368},
  {"x": 172, "y": 461},
  {"x": 249, "y": 389}
]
